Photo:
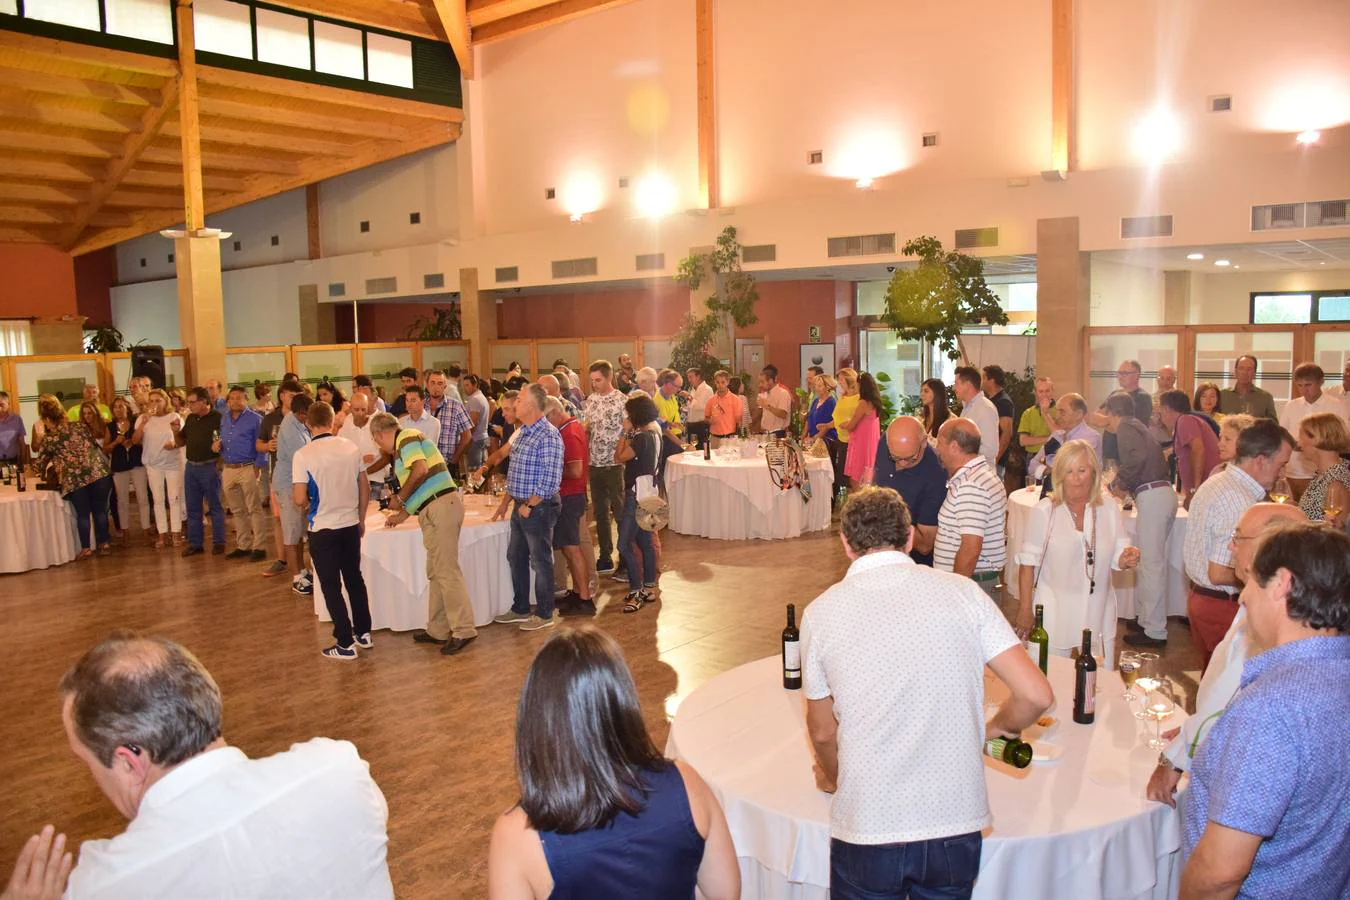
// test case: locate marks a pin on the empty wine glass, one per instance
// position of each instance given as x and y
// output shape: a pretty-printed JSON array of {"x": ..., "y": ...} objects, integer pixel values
[
  {"x": 1280, "y": 492},
  {"x": 1149, "y": 674},
  {"x": 1159, "y": 703},
  {"x": 1128, "y": 663}
]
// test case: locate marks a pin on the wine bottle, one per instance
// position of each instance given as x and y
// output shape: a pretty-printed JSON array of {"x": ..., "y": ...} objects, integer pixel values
[
  {"x": 1013, "y": 751},
  {"x": 20, "y": 482},
  {"x": 707, "y": 448},
  {"x": 1085, "y": 683},
  {"x": 1038, "y": 642},
  {"x": 792, "y": 653}
]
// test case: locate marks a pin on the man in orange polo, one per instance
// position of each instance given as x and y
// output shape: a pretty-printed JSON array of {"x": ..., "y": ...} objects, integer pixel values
[{"x": 723, "y": 411}]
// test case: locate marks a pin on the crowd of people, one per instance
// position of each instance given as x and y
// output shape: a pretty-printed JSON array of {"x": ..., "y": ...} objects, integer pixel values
[{"x": 924, "y": 528}]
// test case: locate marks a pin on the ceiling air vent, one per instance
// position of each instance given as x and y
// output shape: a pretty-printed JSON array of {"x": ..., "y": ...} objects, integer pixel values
[
  {"x": 930, "y": 139},
  {"x": 337, "y": 289},
  {"x": 575, "y": 268},
  {"x": 433, "y": 281},
  {"x": 861, "y": 245},
  {"x": 508, "y": 273},
  {"x": 1277, "y": 215},
  {"x": 1221, "y": 103},
  {"x": 970, "y": 238},
  {"x": 759, "y": 253},
  {"x": 1146, "y": 226},
  {"x": 815, "y": 158},
  {"x": 651, "y": 262},
  {"x": 1326, "y": 212},
  {"x": 381, "y": 285}
]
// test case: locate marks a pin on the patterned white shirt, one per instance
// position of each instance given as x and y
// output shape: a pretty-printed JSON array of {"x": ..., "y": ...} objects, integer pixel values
[
  {"x": 603, "y": 417},
  {"x": 902, "y": 648},
  {"x": 976, "y": 504},
  {"x": 1214, "y": 513}
]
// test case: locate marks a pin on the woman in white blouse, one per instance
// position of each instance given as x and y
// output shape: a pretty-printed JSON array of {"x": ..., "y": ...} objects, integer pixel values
[
  {"x": 163, "y": 465},
  {"x": 1073, "y": 540}
]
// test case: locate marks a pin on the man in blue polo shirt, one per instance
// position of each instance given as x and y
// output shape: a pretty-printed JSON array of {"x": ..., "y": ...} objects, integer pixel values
[
  {"x": 906, "y": 464},
  {"x": 239, "y": 430},
  {"x": 1265, "y": 815}
]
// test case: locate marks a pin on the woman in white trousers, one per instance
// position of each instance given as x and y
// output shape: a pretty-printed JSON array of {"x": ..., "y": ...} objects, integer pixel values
[
  {"x": 127, "y": 465},
  {"x": 163, "y": 466}
]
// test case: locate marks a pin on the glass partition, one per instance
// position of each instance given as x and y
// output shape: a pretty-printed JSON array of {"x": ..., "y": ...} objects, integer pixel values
[
  {"x": 1217, "y": 351},
  {"x": 568, "y": 351},
  {"x": 331, "y": 363},
  {"x": 502, "y": 353},
  {"x": 383, "y": 364},
  {"x": 175, "y": 371},
  {"x": 902, "y": 361},
  {"x": 1107, "y": 351},
  {"x": 252, "y": 369},
  {"x": 1331, "y": 351},
  {"x": 608, "y": 350},
  {"x": 65, "y": 379},
  {"x": 656, "y": 353},
  {"x": 443, "y": 356}
]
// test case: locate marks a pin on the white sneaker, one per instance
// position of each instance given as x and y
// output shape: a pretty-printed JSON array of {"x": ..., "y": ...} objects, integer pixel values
[
  {"x": 534, "y": 623},
  {"x": 364, "y": 641}
]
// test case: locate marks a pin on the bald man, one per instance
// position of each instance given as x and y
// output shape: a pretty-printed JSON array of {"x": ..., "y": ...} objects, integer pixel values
[
  {"x": 1224, "y": 672},
  {"x": 906, "y": 464}
]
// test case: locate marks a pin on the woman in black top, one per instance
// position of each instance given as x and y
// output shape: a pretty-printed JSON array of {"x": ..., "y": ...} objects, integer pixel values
[
  {"x": 127, "y": 469},
  {"x": 639, "y": 451}
]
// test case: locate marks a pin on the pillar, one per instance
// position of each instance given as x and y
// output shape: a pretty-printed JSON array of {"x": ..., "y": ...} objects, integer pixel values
[
  {"x": 478, "y": 320},
  {"x": 201, "y": 310},
  {"x": 1062, "y": 303},
  {"x": 1177, "y": 297},
  {"x": 318, "y": 324}
]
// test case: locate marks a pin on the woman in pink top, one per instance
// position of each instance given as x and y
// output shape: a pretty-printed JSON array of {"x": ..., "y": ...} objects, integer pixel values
[{"x": 864, "y": 432}]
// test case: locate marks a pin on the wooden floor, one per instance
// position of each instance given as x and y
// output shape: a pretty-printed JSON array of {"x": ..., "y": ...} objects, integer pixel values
[{"x": 436, "y": 731}]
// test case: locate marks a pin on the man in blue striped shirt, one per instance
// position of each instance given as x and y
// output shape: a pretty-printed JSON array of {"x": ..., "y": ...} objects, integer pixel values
[{"x": 533, "y": 483}]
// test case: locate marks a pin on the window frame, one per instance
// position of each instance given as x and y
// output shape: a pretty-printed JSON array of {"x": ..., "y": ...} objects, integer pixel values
[{"x": 1314, "y": 317}]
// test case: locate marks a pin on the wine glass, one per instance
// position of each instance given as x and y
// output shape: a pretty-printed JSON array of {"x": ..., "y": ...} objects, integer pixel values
[
  {"x": 1109, "y": 474},
  {"x": 1159, "y": 703},
  {"x": 1128, "y": 663},
  {"x": 1280, "y": 492},
  {"x": 1331, "y": 510},
  {"x": 1148, "y": 676}
]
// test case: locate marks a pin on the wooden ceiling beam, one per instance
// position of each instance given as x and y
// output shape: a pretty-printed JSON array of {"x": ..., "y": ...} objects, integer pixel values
[
  {"x": 262, "y": 139},
  {"x": 43, "y": 194},
  {"x": 37, "y": 215},
  {"x": 90, "y": 120},
  {"x": 58, "y": 145},
  {"x": 241, "y": 110},
  {"x": 26, "y": 235},
  {"x": 368, "y": 154},
  {"x": 170, "y": 155},
  {"x": 47, "y": 170},
  {"x": 118, "y": 168},
  {"x": 84, "y": 88},
  {"x": 318, "y": 93},
  {"x": 482, "y": 12},
  {"x": 167, "y": 177},
  {"x": 539, "y": 17},
  {"x": 454, "y": 17},
  {"x": 404, "y": 16},
  {"x": 19, "y": 51},
  {"x": 145, "y": 199}
]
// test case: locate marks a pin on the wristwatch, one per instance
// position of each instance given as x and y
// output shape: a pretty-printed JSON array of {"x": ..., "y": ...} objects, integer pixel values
[{"x": 1164, "y": 761}]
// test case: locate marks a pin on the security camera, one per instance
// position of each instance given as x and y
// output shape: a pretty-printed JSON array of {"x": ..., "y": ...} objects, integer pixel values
[
  {"x": 517, "y": 290},
  {"x": 891, "y": 269}
]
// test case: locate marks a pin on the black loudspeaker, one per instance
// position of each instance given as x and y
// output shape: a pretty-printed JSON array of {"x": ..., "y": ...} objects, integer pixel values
[{"x": 148, "y": 362}]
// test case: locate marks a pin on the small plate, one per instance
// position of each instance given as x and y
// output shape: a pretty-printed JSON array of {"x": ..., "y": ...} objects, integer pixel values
[{"x": 1045, "y": 752}]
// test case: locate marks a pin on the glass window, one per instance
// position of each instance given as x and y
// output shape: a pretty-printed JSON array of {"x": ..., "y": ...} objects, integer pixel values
[
  {"x": 1279, "y": 309},
  {"x": 390, "y": 60},
  {"x": 872, "y": 297},
  {"x": 149, "y": 20},
  {"x": 337, "y": 50},
  {"x": 220, "y": 26},
  {"x": 1333, "y": 308},
  {"x": 75, "y": 13},
  {"x": 283, "y": 39}
]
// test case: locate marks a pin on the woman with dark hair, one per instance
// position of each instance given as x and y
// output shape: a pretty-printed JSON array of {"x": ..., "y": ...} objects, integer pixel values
[
  {"x": 933, "y": 397},
  {"x": 515, "y": 378},
  {"x": 127, "y": 467},
  {"x": 639, "y": 452},
  {"x": 329, "y": 393},
  {"x": 602, "y": 814},
  {"x": 82, "y": 470},
  {"x": 737, "y": 387},
  {"x": 864, "y": 432}
]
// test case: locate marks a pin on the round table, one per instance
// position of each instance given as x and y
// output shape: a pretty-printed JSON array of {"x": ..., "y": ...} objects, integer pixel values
[
  {"x": 38, "y": 529},
  {"x": 735, "y": 499},
  {"x": 394, "y": 566},
  {"x": 1075, "y": 827},
  {"x": 1020, "y": 503}
]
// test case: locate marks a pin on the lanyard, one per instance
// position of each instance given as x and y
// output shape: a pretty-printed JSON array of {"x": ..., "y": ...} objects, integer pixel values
[{"x": 1089, "y": 556}]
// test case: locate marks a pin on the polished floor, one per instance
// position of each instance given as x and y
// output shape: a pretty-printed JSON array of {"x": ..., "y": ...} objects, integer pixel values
[{"x": 437, "y": 731}]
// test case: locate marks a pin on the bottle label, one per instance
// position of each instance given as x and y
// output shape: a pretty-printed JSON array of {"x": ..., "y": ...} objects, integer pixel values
[
  {"x": 1034, "y": 651},
  {"x": 1089, "y": 692},
  {"x": 792, "y": 657},
  {"x": 995, "y": 746}
]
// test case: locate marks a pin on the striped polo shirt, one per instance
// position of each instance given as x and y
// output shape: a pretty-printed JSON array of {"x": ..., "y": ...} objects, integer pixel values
[
  {"x": 411, "y": 446},
  {"x": 976, "y": 504}
]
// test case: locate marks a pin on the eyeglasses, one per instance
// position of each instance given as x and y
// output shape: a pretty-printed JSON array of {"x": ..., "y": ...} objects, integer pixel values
[
  {"x": 906, "y": 460},
  {"x": 1237, "y": 536}
]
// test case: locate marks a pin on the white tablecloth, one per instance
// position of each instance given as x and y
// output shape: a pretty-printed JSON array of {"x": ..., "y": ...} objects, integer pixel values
[
  {"x": 394, "y": 565},
  {"x": 37, "y": 530},
  {"x": 1078, "y": 827},
  {"x": 735, "y": 499},
  {"x": 1020, "y": 503}
]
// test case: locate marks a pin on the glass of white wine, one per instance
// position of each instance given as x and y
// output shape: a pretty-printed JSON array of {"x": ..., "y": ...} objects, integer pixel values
[
  {"x": 1148, "y": 677},
  {"x": 1129, "y": 671},
  {"x": 1159, "y": 703},
  {"x": 1331, "y": 510},
  {"x": 1280, "y": 492}
]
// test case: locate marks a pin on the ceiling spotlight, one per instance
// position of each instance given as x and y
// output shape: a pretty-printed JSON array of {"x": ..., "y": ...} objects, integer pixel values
[
  {"x": 864, "y": 183},
  {"x": 575, "y": 218},
  {"x": 1222, "y": 262},
  {"x": 1308, "y": 137},
  {"x": 1195, "y": 256}
]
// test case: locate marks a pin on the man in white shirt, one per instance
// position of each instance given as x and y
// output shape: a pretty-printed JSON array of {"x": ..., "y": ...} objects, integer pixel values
[
  {"x": 979, "y": 409},
  {"x": 1309, "y": 399},
  {"x": 418, "y": 417},
  {"x": 971, "y": 536},
  {"x": 695, "y": 417},
  {"x": 356, "y": 428},
  {"x": 205, "y": 820},
  {"x": 328, "y": 482},
  {"x": 898, "y": 736},
  {"x": 1224, "y": 672},
  {"x": 775, "y": 403}
]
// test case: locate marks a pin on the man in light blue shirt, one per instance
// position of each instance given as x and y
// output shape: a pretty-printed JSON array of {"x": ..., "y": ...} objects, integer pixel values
[
  {"x": 471, "y": 386},
  {"x": 292, "y": 434},
  {"x": 1265, "y": 816},
  {"x": 12, "y": 433},
  {"x": 239, "y": 430}
]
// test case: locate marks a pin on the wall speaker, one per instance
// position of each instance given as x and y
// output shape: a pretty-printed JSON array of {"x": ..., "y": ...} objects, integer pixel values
[{"x": 148, "y": 362}]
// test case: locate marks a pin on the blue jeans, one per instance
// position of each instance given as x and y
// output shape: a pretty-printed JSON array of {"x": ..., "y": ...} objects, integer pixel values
[
  {"x": 639, "y": 571},
  {"x": 939, "y": 869},
  {"x": 202, "y": 482},
  {"x": 530, "y": 550},
  {"x": 91, "y": 501},
  {"x": 477, "y": 453}
]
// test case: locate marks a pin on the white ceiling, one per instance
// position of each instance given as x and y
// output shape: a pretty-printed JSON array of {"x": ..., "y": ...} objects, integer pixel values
[{"x": 1282, "y": 256}]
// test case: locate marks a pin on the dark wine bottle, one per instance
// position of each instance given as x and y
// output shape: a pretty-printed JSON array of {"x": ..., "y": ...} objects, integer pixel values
[
  {"x": 1038, "y": 642},
  {"x": 707, "y": 448},
  {"x": 1085, "y": 683},
  {"x": 20, "y": 482},
  {"x": 1013, "y": 751},
  {"x": 792, "y": 653}
]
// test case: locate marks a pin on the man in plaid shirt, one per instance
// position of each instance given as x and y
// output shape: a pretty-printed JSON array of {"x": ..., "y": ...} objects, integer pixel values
[{"x": 456, "y": 426}]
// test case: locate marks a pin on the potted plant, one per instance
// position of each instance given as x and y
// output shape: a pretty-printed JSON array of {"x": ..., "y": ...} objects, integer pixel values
[{"x": 731, "y": 305}]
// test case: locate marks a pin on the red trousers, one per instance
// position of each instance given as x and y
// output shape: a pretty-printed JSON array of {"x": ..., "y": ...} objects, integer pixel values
[{"x": 1210, "y": 619}]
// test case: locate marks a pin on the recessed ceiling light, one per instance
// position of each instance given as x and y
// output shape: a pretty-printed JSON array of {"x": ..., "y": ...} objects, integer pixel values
[
  {"x": 1310, "y": 136},
  {"x": 1195, "y": 256},
  {"x": 1237, "y": 267},
  {"x": 1222, "y": 262},
  {"x": 864, "y": 183}
]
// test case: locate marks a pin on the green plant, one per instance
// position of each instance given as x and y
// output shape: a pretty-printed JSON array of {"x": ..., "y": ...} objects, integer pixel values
[
  {"x": 732, "y": 304},
  {"x": 889, "y": 410},
  {"x": 798, "y": 424},
  {"x": 442, "y": 325},
  {"x": 945, "y": 293},
  {"x": 689, "y": 347},
  {"x": 103, "y": 339}
]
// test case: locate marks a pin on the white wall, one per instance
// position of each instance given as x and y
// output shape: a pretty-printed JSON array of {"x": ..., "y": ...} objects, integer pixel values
[
  {"x": 1122, "y": 294},
  {"x": 261, "y": 308},
  {"x": 1226, "y": 296},
  {"x": 385, "y": 195}
]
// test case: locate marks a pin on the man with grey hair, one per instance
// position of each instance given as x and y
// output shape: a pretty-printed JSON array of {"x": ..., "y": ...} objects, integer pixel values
[
  {"x": 1069, "y": 413},
  {"x": 144, "y": 715},
  {"x": 552, "y": 387},
  {"x": 646, "y": 382},
  {"x": 213, "y": 391},
  {"x": 971, "y": 537}
]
